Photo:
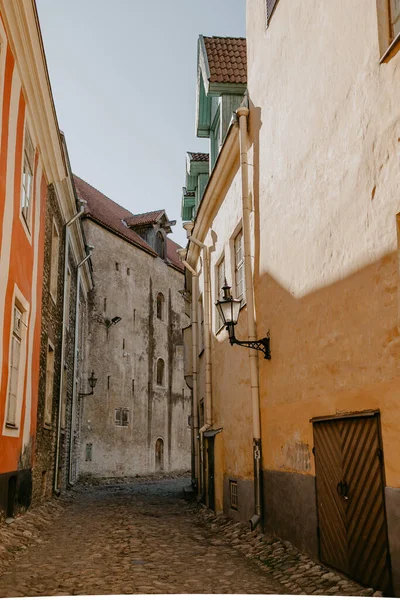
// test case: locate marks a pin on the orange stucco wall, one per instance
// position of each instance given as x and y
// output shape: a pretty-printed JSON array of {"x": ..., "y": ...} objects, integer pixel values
[{"x": 19, "y": 270}]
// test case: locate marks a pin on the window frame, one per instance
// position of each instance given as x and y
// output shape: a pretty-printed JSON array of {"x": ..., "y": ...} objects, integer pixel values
[
  {"x": 233, "y": 494},
  {"x": 123, "y": 419},
  {"x": 26, "y": 201},
  {"x": 219, "y": 324}
]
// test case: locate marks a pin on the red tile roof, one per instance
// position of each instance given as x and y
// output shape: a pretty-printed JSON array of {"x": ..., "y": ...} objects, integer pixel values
[
  {"x": 105, "y": 211},
  {"x": 145, "y": 218},
  {"x": 199, "y": 156},
  {"x": 227, "y": 59}
]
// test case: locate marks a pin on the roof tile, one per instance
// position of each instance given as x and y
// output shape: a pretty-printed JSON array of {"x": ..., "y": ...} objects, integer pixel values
[{"x": 227, "y": 59}]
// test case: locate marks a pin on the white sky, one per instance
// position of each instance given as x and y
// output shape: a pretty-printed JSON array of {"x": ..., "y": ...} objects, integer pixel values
[{"x": 123, "y": 75}]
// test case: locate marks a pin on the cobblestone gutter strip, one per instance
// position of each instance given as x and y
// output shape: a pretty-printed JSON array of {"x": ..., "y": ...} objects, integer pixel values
[
  {"x": 29, "y": 528},
  {"x": 293, "y": 569}
]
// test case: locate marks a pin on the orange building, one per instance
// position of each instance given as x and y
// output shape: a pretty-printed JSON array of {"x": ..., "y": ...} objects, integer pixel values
[{"x": 31, "y": 158}]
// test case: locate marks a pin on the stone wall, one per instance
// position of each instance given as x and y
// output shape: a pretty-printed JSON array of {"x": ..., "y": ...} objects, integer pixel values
[{"x": 124, "y": 357}]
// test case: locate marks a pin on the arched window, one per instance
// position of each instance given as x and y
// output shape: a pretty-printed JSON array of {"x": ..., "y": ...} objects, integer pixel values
[
  {"x": 160, "y": 372},
  {"x": 160, "y": 306},
  {"x": 160, "y": 245},
  {"x": 159, "y": 455}
]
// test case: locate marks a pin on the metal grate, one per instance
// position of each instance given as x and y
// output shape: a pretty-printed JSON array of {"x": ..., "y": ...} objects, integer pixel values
[{"x": 233, "y": 494}]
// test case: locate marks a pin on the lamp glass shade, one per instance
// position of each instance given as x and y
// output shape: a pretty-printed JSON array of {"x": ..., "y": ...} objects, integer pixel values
[
  {"x": 229, "y": 310},
  {"x": 92, "y": 380}
]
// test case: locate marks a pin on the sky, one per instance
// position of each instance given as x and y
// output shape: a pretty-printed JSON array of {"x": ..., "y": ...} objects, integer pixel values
[{"x": 123, "y": 75}]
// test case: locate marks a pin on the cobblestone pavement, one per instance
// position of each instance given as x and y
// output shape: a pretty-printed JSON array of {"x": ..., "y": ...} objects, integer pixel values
[{"x": 141, "y": 537}]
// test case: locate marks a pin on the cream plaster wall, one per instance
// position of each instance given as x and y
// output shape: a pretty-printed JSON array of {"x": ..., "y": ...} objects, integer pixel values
[{"x": 325, "y": 130}]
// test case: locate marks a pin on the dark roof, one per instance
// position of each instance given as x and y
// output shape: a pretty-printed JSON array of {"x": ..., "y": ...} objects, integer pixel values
[
  {"x": 113, "y": 216},
  {"x": 199, "y": 156},
  {"x": 145, "y": 218},
  {"x": 227, "y": 59}
]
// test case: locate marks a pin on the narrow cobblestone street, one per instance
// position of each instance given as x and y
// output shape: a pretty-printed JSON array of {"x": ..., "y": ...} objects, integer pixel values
[{"x": 142, "y": 537}]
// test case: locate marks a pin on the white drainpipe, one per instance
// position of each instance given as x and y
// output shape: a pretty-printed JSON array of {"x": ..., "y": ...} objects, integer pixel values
[
  {"x": 243, "y": 113},
  {"x": 64, "y": 326}
]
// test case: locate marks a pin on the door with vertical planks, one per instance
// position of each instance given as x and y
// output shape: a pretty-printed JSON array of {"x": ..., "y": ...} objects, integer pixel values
[{"x": 350, "y": 498}]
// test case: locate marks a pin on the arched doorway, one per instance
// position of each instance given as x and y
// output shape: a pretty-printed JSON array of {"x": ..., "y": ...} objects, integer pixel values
[{"x": 159, "y": 455}]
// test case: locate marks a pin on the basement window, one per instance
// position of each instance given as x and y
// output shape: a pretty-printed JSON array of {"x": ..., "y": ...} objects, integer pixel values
[
  {"x": 233, "y": 491},
  {"x": 89, "y": 448}
]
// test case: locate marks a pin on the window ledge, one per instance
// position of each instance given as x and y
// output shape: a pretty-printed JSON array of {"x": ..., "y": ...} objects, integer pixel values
[
  {"x": 386, "y": 54},
  {"x": 11, "y": 426}
]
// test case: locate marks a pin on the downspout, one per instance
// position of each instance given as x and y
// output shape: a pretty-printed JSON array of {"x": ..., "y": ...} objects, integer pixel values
[
  {"x": 243, "y": 113},
  {"x": 207, "y": 353},
  {"x": 74, "y": 392},
  {"x": 195, "y": 406},
  {"x": 63, "y": 335}
]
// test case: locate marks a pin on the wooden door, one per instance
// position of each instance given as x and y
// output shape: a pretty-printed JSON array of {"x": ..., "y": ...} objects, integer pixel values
[{"x": 350, "y": 499}]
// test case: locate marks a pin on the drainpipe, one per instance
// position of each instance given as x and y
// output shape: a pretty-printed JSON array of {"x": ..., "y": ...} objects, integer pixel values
[
  {"x": 63, "y": 335},
  {"x": 195, "y": 400},
  {"x": 74, "y": 392},
  {"x": 207, "y": 352},
  {"x": 243, "y": 113}
]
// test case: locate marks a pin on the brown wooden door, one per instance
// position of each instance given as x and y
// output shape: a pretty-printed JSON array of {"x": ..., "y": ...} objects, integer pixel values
[{"x": 350, "y": 499}]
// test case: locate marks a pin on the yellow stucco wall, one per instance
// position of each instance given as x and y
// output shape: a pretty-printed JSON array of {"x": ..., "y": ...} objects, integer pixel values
[{"x": 325, "y": 131}]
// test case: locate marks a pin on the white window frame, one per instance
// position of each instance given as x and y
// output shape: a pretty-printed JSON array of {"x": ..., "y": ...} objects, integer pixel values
[
  {"x": 27, "y": 182},
  {"x": 19, "y": 302},
  {"x": 238, "y": 267},
  {"x": 218, "y": 321},
  {"x": 54, "y": 260}
]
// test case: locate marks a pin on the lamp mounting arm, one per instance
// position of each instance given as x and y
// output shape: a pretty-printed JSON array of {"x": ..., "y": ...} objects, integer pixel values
[{"x": 262, "y": 345}]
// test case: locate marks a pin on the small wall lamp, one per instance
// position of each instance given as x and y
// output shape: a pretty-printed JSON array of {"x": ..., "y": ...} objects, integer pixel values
[
  {"x": 92, "y": 383},
  {"x": 228, "y": 309},
  {"x": 113, "y": 321}
]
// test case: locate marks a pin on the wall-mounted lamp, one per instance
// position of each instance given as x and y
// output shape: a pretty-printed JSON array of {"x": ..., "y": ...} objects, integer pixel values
[
  {"x": 228, "y": 309},
  {"x": 92, "y": 383},
  {"x": 113, "y": 321}
]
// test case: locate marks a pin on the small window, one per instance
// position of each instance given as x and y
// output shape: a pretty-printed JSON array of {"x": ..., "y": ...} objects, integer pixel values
[
  {"x": 117, "y": 266},
  {"x": 220, "y": 281},
  {"x": 128, "y": 271},
  {"x": 27, "y": 179},
  {"x": 233, "y": 489},
  {"x": 14, "y": 373},
  {"x": 160, "y": 372},
  {"x": 48, "y": 407},
  {"x": 239, "y": 267},
  {"x": 55, "y": 248},
  {"x": 200, "y": 317},
  {"x": 89, "y": 452},
  {"x": 394, "y": 7},
  {"x": 105, "y": 305},
  {"x": 160, "y": 306},
  {"x": 133, "y": 387},
  {"x": 123, "y": 344},
  {"x": 160, "y": 245},
  {"x": 122, "y": 417},
  {"x": 108, "y": 382}
]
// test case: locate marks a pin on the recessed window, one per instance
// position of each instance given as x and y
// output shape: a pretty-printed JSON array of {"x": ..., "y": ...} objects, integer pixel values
[
  {"x": 160, "y": 306},
  {"x": 128, "y": 271},
  {"x": 233, "y": 491},
  {"x": 122, "y": 417},
  {"x": 14, "y": 373},
  {"x": 108, "y": 382},
  {"x": 48, "y": 406},
  {"x": 133, "y": 387},
  {"x": 27, "y": 180},
  {"x": 239, "y": 267},
  {"x": 89, "y": 452},
  {"x": 160, "y": 371},
  {"x": 105, "y": 305},
  {"x": 55, "y": 250},
  {"x": 220, "y": 280},
  {"x": 117, "y": 266},
  {"x": 123, "y": 344}
]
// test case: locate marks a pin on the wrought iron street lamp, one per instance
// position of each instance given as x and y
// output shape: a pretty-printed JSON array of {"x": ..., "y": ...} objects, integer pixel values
[
  {"x": 228, "y": 309},
  {"x": 92, "y": 383}
]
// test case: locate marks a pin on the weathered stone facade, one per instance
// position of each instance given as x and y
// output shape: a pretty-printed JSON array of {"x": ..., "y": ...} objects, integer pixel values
[
  {"x": 51, "y": 332},
  {"x": 136, "y": 422}
]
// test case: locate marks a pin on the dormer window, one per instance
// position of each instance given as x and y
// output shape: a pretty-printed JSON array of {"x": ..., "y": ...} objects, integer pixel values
[{"x": 160, "y": 245}]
